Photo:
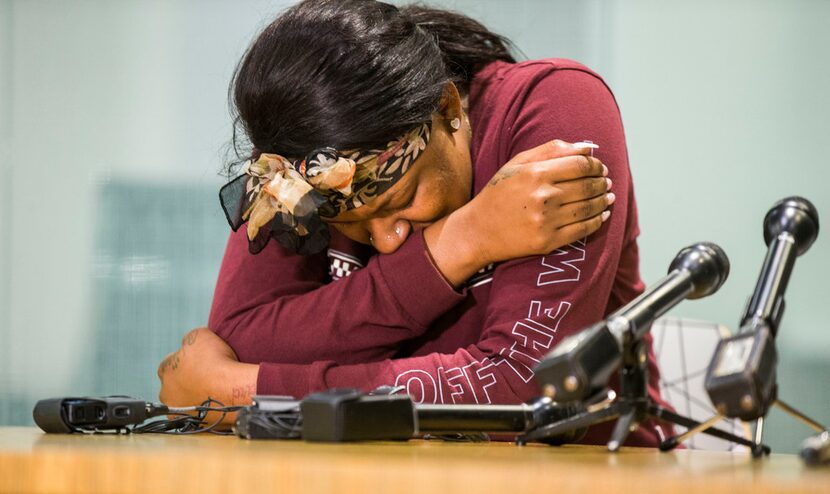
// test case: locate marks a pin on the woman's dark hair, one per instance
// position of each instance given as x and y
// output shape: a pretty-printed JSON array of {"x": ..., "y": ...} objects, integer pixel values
[{"x": 352, "y": 74}]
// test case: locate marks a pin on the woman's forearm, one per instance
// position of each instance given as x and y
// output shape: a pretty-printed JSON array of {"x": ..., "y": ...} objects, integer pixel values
[
  {"x": 206, "y": 367},
  {"x": 267, "y": 311},
  {"x": 452, "y": 247}
]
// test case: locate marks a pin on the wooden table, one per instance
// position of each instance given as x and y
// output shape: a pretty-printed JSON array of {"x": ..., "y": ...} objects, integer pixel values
[{"x": 31, "y": 461}]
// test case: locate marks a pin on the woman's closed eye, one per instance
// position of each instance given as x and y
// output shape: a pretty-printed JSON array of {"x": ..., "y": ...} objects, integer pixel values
[{"x": 406, "y": 204}]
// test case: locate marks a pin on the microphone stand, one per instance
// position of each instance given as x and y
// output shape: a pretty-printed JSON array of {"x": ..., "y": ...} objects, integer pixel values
[
  {"x": 585, "y": 361},
  {"x": 673, "y": 442},
  {"x": 741, "y": 379},
  {"x": 632, "y": 406}
]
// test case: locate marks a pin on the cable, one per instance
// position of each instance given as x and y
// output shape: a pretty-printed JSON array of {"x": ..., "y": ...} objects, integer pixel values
[{"x": 185, "y": 423}]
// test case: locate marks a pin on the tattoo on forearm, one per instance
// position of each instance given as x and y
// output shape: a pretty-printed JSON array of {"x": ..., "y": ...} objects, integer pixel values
[
  {"x": 502, "y": 175},
  {"x": 241, "y": 395},
  {"x": 170, "y": 362},
  {"x": 190, "y": 338}
]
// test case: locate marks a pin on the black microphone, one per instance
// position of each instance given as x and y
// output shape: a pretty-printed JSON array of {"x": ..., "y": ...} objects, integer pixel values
[
  {"x": 740, "y": 378},
  {"x": 790, "y": 228},
  {"x": 583, "y": 363}
]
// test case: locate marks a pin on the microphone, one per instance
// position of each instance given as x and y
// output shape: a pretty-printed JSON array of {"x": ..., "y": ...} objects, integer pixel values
[
  {"x": 583, "y": 363},
  {"x": 790, "y": 228},
  {"x": 740, "y": 379}
]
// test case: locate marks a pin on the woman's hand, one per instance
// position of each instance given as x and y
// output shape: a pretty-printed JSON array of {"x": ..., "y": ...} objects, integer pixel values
[
  {"x": 205, "y": 366},
  {"x": 542, "y": 199}
]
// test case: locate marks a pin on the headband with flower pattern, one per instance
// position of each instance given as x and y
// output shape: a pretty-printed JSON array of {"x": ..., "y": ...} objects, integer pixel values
[{"x": 285, "y": 199}]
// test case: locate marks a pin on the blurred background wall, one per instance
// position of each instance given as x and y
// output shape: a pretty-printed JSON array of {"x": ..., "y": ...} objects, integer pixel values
[{"x": 113, "y": 122}]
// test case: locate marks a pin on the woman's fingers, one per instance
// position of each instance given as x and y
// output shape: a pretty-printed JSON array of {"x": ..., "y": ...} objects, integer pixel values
[
  {"x": 582, "y": 189},
  {"x": 549, "y": 150},
  {"x": 579, "y": 230},
  {"x": 576, "y": 212},
  {"x": 570, "y": 168}
]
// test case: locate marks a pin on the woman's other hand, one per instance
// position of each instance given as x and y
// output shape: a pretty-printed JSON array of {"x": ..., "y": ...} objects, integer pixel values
[
  {"x": 542, "y": 199},
  {"x": 205, "y": 366}
]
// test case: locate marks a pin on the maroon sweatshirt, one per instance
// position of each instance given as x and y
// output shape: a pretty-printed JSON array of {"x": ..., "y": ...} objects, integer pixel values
[{"x": 353, "y": 318}]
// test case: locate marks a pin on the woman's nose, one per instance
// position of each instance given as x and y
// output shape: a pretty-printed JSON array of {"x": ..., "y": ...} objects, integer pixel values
[{"x": 388, "y": 234}]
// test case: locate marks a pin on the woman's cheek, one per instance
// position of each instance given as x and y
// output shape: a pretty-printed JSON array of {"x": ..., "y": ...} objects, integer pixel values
[
  {"x": 427, "y": 214},
  {"x": 354, "y": 232}
]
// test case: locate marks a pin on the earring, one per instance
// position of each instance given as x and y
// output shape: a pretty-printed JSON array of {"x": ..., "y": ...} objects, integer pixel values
[{"x": 455, "y": 123}]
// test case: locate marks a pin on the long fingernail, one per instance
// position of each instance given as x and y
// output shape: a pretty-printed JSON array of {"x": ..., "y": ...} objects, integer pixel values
[
  {"x": 610, "y": 197},
  {"x": 609, "y": 183},
  {"x": 604, "y": 171},
  {"x": 585, "y": 145},
  {"x": 604, "y": 216}
]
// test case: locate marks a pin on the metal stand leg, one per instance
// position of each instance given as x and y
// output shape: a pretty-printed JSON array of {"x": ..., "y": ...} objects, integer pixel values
[
  {"x": 625, "y": 424},
  {"x": 695, "y": 427},
  {"x": 800, "y": 416},
  {"x": 672, "y": 442},
  {"x": 576, "y": 422},
  {"x": 759, "y": 430}
]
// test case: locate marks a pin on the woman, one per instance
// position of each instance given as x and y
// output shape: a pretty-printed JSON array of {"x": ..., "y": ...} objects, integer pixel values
[{"x": 429, "y": 214}]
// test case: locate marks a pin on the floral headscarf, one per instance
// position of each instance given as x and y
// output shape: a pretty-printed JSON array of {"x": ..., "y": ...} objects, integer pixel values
[{"x": 285, "y": 199}]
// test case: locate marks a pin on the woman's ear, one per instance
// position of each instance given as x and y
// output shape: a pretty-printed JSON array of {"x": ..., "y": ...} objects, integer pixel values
[{"x": 450, "y": 107}]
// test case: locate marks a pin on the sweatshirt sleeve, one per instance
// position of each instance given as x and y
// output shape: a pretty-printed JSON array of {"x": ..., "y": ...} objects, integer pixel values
[
  {"x": 533, "y": 302},
  {"x": 278, "y": 307}
]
